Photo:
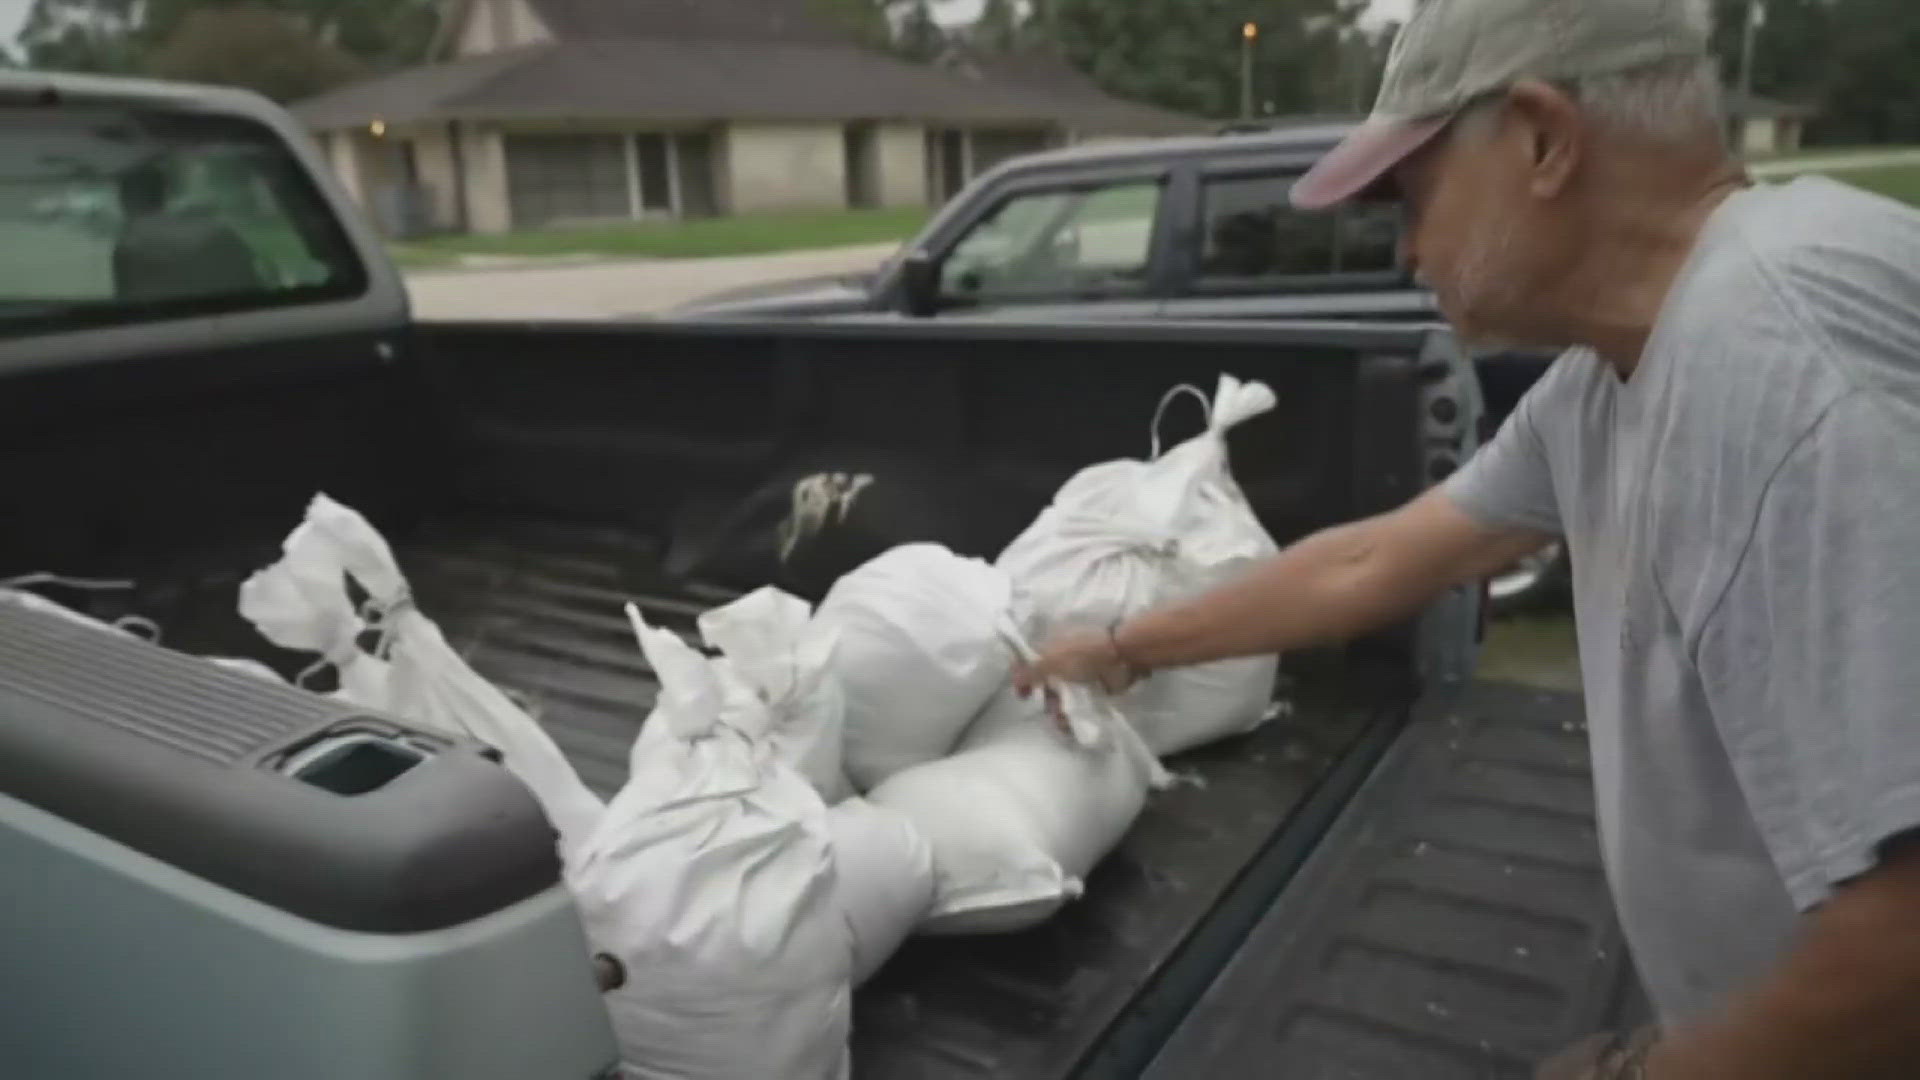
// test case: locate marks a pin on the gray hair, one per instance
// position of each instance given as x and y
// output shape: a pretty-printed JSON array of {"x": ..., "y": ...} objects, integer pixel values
[{"x": 1673, "y": 101}]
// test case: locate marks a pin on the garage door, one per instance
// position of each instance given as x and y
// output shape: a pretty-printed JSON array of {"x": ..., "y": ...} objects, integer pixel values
[{"x": 553, "y": 178}]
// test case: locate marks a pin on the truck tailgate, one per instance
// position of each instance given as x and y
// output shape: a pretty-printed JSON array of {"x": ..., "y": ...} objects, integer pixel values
[
  {"x": 537, "y": 608},
  {"x": 1454, "y": 925}
]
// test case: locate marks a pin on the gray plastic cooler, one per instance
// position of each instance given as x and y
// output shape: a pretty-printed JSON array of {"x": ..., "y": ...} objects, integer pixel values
[{"x": 209, "y": 876}]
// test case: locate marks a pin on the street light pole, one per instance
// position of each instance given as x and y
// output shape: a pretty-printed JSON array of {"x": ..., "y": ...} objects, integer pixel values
[
  {"x": 1248, "y": 35},
  {"x": 1746, "y": 48},
  {"x": 1747, "y": 41}
]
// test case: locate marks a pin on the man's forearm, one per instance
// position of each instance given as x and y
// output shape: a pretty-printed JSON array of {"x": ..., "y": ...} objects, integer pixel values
[
  {"x": 1845, "y": 1005},
  {"x": 1326, "y": 588}
]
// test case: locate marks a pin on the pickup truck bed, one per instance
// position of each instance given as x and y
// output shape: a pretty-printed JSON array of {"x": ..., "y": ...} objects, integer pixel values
[
  {"x": 1440, "y": 914},
  {"x": 530, "y": 478},
  {"x": 537, "y": 609}
]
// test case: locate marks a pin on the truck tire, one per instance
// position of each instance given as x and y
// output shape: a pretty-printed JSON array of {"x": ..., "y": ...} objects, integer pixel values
[{"x": 1536, "y": 583}]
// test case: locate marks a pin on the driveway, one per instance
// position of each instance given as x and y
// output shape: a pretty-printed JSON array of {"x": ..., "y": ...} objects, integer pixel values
[{"x": 604, "y": 290}]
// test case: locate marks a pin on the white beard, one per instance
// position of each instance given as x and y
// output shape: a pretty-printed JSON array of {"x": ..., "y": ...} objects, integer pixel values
[{"x": 1482, "y": 280}]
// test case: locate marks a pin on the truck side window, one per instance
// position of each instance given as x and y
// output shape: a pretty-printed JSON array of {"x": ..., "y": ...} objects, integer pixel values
[
  {"x": 1251, "y": 234},
  {"x": 112, "y": 216},
  {"x": 1080, "y": 242}
]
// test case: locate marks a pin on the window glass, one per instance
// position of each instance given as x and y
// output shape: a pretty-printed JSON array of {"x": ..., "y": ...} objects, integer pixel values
[
  {"x": 114, "y": 215},
  {"x": 555, "y": 179},
  {"x": 656, "y": 185},
  {"x": 693, "y": 156},
  {"x": 1250, "y": 232},
  {"x": 1071, "y": 242}
]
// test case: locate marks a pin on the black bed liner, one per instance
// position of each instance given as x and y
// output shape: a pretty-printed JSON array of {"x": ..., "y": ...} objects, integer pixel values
[
  {"x": 1454, "y": 925},
  {"x": 1288, "y": 910},
  {"x": 538, "y": 610}
]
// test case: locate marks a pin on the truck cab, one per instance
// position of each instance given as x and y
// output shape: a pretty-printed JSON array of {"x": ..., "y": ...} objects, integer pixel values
[{"x": 1177, "y": 228}]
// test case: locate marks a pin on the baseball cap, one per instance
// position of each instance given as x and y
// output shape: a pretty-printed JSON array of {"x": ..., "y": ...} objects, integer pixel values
[{"x": 1453, "y": 52}]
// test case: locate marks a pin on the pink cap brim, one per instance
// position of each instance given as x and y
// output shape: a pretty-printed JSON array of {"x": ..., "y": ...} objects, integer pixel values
[{"x": 1362, "y": 159}]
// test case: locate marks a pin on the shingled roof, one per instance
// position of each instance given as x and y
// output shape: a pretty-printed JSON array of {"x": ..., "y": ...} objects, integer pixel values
[{"x": 705, "y": 80}]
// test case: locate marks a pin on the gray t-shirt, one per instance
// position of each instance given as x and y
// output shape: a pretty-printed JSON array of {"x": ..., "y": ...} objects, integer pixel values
[{"x": 1744, "y": 521}]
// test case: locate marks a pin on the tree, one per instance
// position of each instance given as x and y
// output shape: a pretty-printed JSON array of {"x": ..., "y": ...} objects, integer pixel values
[
  {"x": 1858, "y": 61},
  {"x": 378, "y": 32},
  {"x": 1873, "y": 94},
  {"x": 920, "y": 36},
  {"x": 81, "y": 35},
  {"x": 123, "y": 35},
  {"x": 1793, "y": 53},
  {"x": 999, "y": 27},
  {"x": 866, "y": 19},
  {"x": 252, "y": 46},
  {"x": 1186, "y": 54}
]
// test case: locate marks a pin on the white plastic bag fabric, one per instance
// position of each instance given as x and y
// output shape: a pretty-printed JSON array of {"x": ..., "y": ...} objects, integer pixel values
[
  {"x": 919, "y": 654},
  {"x": 777, "y": 658},
  {"x": 1023, "y": 811},
  {"x": 711, "y": 878},
  {"x": 301, "y": 602},
  {"x": 1125, "y": 537},
  {"x": 883, "y": 879}
]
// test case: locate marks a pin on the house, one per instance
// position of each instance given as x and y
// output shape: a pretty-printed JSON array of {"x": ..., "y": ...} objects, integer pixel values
[
  {"x": 546, "y": 112},
  {"x": 1762, "y": 126}
]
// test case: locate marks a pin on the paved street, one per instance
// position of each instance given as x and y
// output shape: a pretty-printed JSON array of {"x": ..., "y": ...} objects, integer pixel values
[
  {"x": 1839, "y": 163},
  {"x": 600, "y": 290}
]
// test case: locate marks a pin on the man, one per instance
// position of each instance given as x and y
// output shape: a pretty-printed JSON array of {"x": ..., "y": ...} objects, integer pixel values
[{"x": 1732, "y": 450}]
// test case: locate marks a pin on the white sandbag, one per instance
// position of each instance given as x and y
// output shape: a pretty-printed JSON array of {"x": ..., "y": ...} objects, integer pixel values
[
  {"x": 1125, "y": 537},
  {"x": 781, "y": 660},
  {"x": 301, "y": 603},
  {"x": 711, "y": 878},
  {"x": 1023, "y": 811},
  {"x": 883, "y": 879},
  {"x": 919, "y": 654}
]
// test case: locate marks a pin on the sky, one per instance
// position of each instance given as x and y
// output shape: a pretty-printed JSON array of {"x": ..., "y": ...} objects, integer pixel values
[{"x": 14, "y": 12}]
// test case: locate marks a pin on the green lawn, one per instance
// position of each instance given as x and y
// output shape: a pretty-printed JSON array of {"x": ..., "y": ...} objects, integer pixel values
[
  {"x": 1900, "y": 181},
  {"x": 1808, "y": 152},
  {"x": 747, "y": 234},
  {"x": 1894, "y": 181}
]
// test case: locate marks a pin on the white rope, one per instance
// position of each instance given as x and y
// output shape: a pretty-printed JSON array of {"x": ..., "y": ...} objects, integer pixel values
[{"x": 1171, "y": 396}]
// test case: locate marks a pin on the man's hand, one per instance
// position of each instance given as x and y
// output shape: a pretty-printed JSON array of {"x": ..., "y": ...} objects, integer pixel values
[
  {"x": 1089, "y": 659},
  {"x": 1601, "y": 1057},
  {"x": 1330, "y": 587}
]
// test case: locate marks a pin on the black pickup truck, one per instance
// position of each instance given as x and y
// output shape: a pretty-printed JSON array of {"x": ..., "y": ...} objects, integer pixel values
[
  {"x": 1397, "y": 878},
  {"x": 1184, "y": 229}
]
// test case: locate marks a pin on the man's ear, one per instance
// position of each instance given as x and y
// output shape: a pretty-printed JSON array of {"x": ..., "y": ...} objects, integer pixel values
[{"x": 1556, "y": 134}]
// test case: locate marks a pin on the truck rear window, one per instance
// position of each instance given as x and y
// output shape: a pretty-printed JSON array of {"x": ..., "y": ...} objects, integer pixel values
[
  {"x": 111, "y": 216},
  {"x": 1252, "y": 236}
]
